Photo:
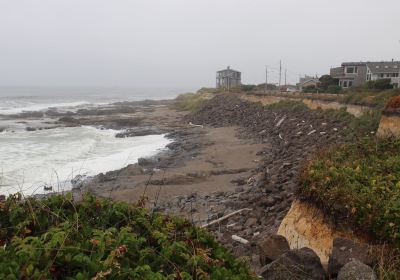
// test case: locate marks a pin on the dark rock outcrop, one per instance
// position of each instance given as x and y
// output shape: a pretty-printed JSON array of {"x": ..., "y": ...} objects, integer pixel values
[
  {"x": 344, "y": 251},
  {"x": 301, "y": 264}
]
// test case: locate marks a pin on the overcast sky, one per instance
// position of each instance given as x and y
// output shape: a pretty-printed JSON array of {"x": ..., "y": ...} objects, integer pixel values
[{"x": 181, "y": 43}]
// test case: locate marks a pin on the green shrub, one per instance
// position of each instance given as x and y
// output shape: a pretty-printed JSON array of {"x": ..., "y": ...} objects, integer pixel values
[
  {"x": 380, "y": 84},
  {"x": 359, "y": 183},
  {"x": 248, "y": 87},
  {"x": 189, "y": 101},
  {"x": 368, "y": 97},
  {"x": 310, "y": 89},
  {"x": 334, "y": 89},
  {"x": 326, "y": 81},
  {"x": 209, "y": 90},
  {"x": 269, "y": 87},
  {"x": 58, "y": 238}
]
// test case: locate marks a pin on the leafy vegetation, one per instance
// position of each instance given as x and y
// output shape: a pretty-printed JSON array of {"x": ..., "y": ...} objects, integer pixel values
[
  {"x": 326, "y": 83},
  {"x": 209, "y": 90},
  {"x": 380, "y": 84},
  {"x": 189, "y": 101},
  {"x": 261, "y": 87},
  {"x": 334, "y": 89},
  {"x": 59, "y": 238},
  {"x": 359, "y": 182},
  {"x": 311, "y": 89},
  {"x": 366, "y": 97},
  {"x": 246, "y": 88}
]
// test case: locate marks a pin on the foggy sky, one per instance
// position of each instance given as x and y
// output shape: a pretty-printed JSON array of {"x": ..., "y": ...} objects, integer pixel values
[{"x": 182, "y": 43}]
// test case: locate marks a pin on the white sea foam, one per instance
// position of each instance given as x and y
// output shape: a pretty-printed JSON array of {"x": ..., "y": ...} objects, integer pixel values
[
  {"x": 53, "y": 157},
  {"x": 13, "y": 107}
]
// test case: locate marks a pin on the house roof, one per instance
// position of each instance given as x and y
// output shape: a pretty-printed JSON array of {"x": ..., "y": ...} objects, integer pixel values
[
  {"x": 360, "y": 63},
  {"x": 308, "y": 80},
  {"x": 228, "y": 69},
  {"x": 384, "y": 67}
]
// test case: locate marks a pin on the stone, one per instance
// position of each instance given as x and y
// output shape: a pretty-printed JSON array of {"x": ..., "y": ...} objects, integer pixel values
[
  {"x": 250, "y": 222},
  {"x": 269, "y": 201},
  {"x": 146, "y": 162},
  {"x": 134, "y": 170},
  {"x": 255, "y": 260},
  {"x": 239, "y": 189},
  {"x": 296, "y": 264},
  {"x": 272, "y": 247},
  {"x": 344, "y": 251},
  {"x": 356, "y": 270}
]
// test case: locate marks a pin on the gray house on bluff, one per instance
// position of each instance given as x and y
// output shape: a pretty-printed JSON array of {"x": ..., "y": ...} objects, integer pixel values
[
  {"x": 354, "y": 74},
  {"x": 307, "y": 81},
  {"x": 228, "y": 78}
]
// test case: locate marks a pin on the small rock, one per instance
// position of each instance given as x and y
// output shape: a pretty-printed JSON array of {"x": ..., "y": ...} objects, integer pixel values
[
  {"x": 250, "y": 222},
  {"x": 356, "y": 270},
  {"x": 267, "y": 202},
  {"x": 146, "y": 162},
  {"x": 295, "y": 264},
  {"x": 239, "y": 189},
  {"x": 272, "y": 247}
]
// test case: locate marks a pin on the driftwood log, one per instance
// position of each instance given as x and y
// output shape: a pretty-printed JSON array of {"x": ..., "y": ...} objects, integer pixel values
[{"x": 225, "y": 217}]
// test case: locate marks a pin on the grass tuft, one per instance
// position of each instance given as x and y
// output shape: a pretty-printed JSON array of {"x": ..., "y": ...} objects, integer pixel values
[{"x": 189, "y": 101}]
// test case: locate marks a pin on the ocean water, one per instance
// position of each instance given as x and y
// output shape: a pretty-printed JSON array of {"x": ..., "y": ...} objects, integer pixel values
[
  {"x": 14, "y": 100},
  {"x": 31, "y": 159}
]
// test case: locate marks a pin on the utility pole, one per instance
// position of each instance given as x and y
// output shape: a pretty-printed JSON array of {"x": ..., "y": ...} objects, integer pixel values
[
  {"x": 266, "y": 78},
  {"x": 280, "y": 73},
  {"x": 285, "y": 76}
]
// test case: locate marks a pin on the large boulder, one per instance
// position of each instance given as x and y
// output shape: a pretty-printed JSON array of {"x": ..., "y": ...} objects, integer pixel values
[
  {"x": 301, "y": 264},
  {"x": 356, "y": 270},
  {"x": 272, "y": 247},
  {"x": 344, "y": 251}
]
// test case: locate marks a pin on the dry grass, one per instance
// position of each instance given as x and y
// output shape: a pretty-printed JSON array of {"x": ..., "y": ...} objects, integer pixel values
[{"x": 393, "y": 103}]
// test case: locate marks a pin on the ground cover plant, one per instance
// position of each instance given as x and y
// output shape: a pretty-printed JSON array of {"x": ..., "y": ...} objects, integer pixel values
[
  {"x": 358, "y": 183},
  {"x": 59, "y": 238},
  {"x": 368, "y": 97},
  {"x": 189, "y": 101}
]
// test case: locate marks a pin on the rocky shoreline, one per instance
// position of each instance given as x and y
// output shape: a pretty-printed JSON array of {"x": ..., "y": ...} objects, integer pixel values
[
  {"x": 266, "y": 191},
  {"x": 188, "y": 179}
]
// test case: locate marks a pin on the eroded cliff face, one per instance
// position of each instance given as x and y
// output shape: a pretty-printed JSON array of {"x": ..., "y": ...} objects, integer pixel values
[
  {"x": 304, "y": 226},
  {"x": 389, "y": 125}
]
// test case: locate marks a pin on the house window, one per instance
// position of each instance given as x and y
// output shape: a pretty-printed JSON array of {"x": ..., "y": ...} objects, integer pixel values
[
  {"x": 350, "y": 83},
  {"x": 345, "y": 84},
  {"x": 351, "y": 70}
]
